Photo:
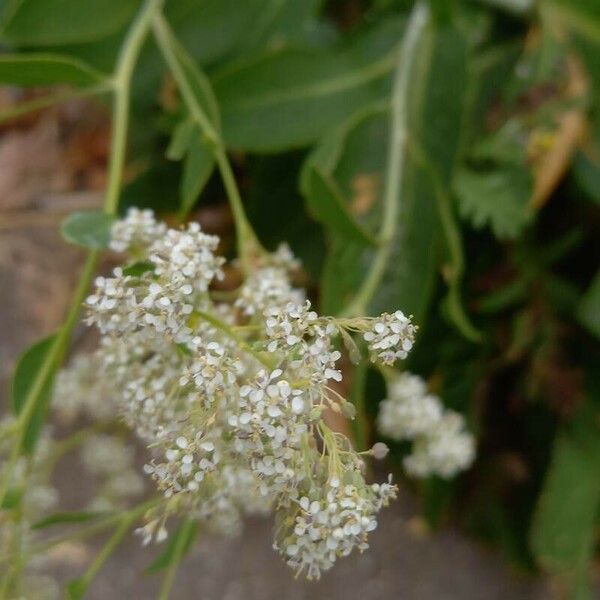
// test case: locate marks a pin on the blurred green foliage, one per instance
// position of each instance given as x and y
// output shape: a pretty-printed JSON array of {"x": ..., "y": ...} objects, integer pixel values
[{"x": 496, "y": 249}]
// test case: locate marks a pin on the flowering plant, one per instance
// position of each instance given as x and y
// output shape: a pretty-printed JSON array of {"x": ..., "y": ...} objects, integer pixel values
[{"x": 230, "y": 375}]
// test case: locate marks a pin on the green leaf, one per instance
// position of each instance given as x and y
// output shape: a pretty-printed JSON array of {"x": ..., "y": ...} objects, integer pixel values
[
  {"x": 180, "y": 139},
  {"x": 563, "y": 527},
  {"x": 288, "y": 97},
  {"x": 12, "y": 499},
  {"x": 63, "y": 518},
  {"x": 77, "y": 588},
  {"x": 188, "y": 143},
  {"x": 211, "y": 29},
  {"x": 48, "y": 22},
  {"x": 137, "y": 269},
  {"x": 356, "y": 156},
  {"x": 88, "y": 229},
  {"x": 187, "y": 531},
  {"x": 46, "y": 69},
  {"x": 27, "y": 368},
  {"x": 497, "y": 198},
  {"x": 198, "y": 165},
  {"x": 324, "y": 202},
  {"x": 588, "y": 310}
]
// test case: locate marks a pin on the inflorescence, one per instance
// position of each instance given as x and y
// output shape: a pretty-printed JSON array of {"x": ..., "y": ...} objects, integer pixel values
[
  {"x": 441, "y": 444},
  {"x": 231, "y": 395}
]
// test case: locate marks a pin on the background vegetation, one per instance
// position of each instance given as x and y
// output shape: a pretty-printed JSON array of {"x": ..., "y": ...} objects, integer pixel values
[{"x": 493, "y": 245}]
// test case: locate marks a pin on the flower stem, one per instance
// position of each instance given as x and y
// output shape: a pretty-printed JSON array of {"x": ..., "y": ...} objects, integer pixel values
[
  {"x": 122, "y": 79},
  {"x": 178, "y": 551},
  {"x": 415, "y": 28},
  {"x": 126, "y": 521},
  {"x": 248, "y": 244},
  {"x": 230, "y": 333}
]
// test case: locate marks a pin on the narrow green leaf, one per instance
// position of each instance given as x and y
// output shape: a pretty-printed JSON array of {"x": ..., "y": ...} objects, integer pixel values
[
  {"x": 46, "y": 69},
  {"x": 324, "y": 201},
  {"x": 46, "y": 23},
  {"x": 76, "y": 588},
  {"x": 63, "y": 518},
  {"x": 26, "y": 370},
  {"x": 88, "y": 229},
  {"x": 188, "y": 531},
  {"x": 588, "y": 310},
  {"x": 563, "y": 528},
  {"x": 356, "y": 158},
  {"x": 12, "y": 499},
  {"x": 197, "y": 168},
  {"x": 187, "y": 144},
  {"x": 180, "y": 139}
]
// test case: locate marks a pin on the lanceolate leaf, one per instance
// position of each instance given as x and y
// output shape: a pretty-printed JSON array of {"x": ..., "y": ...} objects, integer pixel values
[
  {"x": 588, "y": 310},
  {"x": 188, "y": 144},
  {"x": 562, "y": 533},
  {"x": 287, "y": 98},
  {"x": 65, "y": 518},
  {"x": 325, "y": 203},
  {"x": 197, "y": 168},
  {"x": 356, "y": 159},
  {"x": 27, "y": 368},
  {"x": 46, "y": 69},
  {"x": 44, "y": 23},
  {"x": 183, "y": 538}
]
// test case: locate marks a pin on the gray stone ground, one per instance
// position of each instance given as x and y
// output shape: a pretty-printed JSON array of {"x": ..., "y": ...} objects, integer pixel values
[{"x": 37, "y": 271}]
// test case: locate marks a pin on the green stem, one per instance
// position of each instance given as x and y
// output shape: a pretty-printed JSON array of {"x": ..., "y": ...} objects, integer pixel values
[
  {"x": 178, "y": 551},
  {"x": 454, "y": 303},
  {"x": 51, "y": 100},
  {"x": 127, "y": 58},
  {"x": 126, "y": 521},
  {"x": 248, "y": 244},
  {"x": 360, "y": 423},
  {"x": 50, "y": 363},
  {"x": 415, "y": 28},
  {"x": 126, "y": 61},
  {"x": 230, "y": 333}
]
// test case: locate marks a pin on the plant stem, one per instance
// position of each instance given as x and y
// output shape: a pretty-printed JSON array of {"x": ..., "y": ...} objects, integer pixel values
[
  {"x": 122, "y": 79},
  {"x": 178, "y": 550},
  {"x": 126, "y": 521},
  {"x": 52, "y": 99},
  {"x": 248, "y": 244},
  {"x": 454, "y": 244},
  {"x": 126, "y": 61},
  {"x": 230, "y": 333},
  {"x": 415, "y": 28},
  {"x": 44, "y": 375}
]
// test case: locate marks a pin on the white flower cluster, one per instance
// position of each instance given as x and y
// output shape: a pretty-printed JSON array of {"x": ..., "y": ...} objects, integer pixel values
[
  {"x": 229, "y": 396},
  {"x": 329, "y": 522},
  {"x": 390, "y": 338},
  {"x": 442, "y": 445},
  {"x": 82, "y": 374},
  {"x": 136, "y": 232}
]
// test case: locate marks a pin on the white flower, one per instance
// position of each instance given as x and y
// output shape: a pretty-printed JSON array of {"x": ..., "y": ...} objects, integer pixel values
[
  {"x": 391, "y": 337},
  {"x": 330, "y": 522},
  {"x": 408, "y": 411},
  {"x": 444, "y": 451},
  {"x": 136, "y": 232},
  {"x": 228, "y": 396},
  {"x": 441, "y": 444},
  {"x": 267, "y": 287}
]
